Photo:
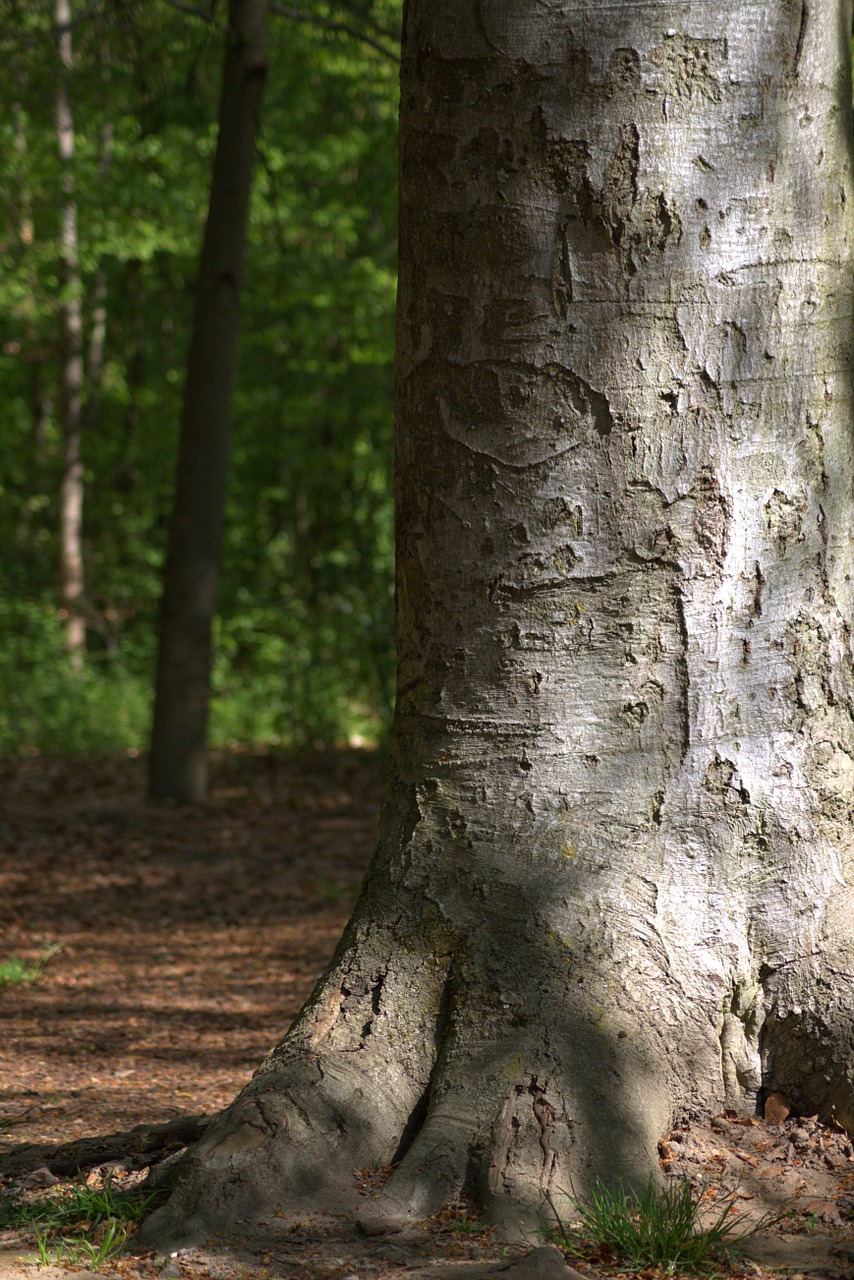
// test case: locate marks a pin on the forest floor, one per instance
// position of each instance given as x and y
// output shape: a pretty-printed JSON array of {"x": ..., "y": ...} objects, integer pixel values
[{"x": 166, "y": 949}]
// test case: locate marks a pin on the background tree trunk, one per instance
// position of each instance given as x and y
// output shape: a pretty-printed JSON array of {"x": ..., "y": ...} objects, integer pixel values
[
  {"x": 41, "y": 402},
  {"x": 71, "y": 568},
  {"x": 613, "y": 879},
  {"x": 178, "y": 767},
  {"x": 135, "y": 295},
  {"x": 98, "y": 332}
]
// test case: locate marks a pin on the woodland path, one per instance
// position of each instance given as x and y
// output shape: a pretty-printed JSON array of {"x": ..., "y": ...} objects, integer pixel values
[{"x": 189, "y": 938}]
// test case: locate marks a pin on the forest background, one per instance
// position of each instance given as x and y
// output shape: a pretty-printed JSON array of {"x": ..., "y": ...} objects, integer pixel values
[{"x": 304, "y": 632}]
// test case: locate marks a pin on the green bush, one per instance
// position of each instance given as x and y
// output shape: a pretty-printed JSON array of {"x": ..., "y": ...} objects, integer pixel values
[
  {"x": 47, "y": 707},
  {"x": 275, "y": 679}
]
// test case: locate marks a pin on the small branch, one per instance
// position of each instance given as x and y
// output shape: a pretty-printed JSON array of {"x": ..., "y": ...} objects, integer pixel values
[
  {"x": 91, "y": 12},
  {"x": 25, "y": 40},
  {"x": 366, "y": 17},
  {"x": 193, "y": 12},
  {"x": 296, "y": 15},
  {"x": 331, "y": 24}
]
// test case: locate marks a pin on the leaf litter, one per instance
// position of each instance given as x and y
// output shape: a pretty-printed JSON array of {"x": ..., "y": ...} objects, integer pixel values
[{"x": 165, "y": 950}]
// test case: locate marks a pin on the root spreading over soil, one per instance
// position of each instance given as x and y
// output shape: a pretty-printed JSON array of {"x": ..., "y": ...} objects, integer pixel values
[{"x": 178, "y": 944}]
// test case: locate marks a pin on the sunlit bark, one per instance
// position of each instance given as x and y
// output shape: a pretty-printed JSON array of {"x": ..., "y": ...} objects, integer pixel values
[{"x": 612, "y": 885}]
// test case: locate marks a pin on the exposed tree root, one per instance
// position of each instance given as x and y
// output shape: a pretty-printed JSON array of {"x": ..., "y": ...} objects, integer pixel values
[{"x": 462, "y": 1098}]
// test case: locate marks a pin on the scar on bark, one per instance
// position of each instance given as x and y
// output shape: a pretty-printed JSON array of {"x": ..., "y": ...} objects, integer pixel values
[{"x": 799, "y": 46}]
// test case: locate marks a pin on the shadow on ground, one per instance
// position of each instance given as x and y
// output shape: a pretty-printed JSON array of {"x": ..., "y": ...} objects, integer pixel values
[{"x": 189, "y": 939}]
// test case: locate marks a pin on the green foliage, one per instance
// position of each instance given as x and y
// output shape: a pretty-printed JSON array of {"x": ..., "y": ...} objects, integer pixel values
[
  {"x": 83, "y": 1226},
  {"x": 305, "y": 644},
  {"x": 14, "y": 971},
  {"x": 48, "y": 707},
  {"x": 658, "y": 1227}
]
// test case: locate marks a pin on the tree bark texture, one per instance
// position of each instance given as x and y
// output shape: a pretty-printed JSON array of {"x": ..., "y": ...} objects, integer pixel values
[
  {"x": 178, "y": 767},
  {"x": 613, "y": 881},
  {"x": 71, "y": 493}
]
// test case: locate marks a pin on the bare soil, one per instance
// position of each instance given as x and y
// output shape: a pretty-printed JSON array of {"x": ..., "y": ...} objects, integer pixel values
[{"x": 188, "y": 939}]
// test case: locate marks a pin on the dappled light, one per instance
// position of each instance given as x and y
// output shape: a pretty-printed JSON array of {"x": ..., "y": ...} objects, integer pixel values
[
  {"x": 187, "y": 939},
  {"x": 167, "y": 949},
  {"x": 427, "y": 678}
]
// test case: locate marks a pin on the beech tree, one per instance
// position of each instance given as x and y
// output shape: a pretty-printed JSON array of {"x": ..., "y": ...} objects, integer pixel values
[{"x": 612, "y": 883}]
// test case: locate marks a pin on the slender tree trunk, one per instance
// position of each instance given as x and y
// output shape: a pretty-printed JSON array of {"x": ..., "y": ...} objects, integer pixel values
[
  {"x": 166, "y": 295},
  {"x": 136, "y": 364},
  {"x": 40, "y": 400},
  {"x": 613, "y": 880},
  {"x": 96, "y": 350},
  {"x": 178, "y": 761},
  {"x": 25, "y": 215},
  {"x": 71, "y": 571},
  {"x": 41, "y": 408},
  {"x": 98, "y": 332}
]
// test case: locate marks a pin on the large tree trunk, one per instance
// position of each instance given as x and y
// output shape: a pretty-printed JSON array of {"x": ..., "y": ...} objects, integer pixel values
[
  {"x": 178, "y": 766},
  {"x": 613, "y": 879},
  {"x": 71, "y": 492}
]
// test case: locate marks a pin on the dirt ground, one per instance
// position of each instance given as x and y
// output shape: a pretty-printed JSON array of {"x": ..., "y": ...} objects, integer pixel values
[{"x": 184, "y": 940}]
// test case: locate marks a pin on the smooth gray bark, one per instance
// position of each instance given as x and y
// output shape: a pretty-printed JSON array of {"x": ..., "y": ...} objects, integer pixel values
[
  {"x": 612, "y": 885},
  {"x": 178, "y": 762}
]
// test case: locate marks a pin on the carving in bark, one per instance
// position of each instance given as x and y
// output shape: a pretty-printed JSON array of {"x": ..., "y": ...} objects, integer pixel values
[{"x": 613, "y": 878}]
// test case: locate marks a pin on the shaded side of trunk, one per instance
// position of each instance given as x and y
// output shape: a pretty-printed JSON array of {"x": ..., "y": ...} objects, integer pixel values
[
  {"x": 613, "y": 882},
  {"x": 71, "y": 568},
  {"x": 178, "y": 761}
]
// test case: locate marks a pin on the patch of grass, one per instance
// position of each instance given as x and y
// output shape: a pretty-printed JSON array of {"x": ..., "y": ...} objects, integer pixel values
[
  {"x": 657, "y": 1227},
  {"x": 14, "y": 971},
  {"x": 83, "y": 1225},
  {"x": 78, "y": 1250}
]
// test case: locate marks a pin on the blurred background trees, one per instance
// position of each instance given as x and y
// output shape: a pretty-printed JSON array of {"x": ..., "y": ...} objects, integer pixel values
[{"x": 303, "y": 633}]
